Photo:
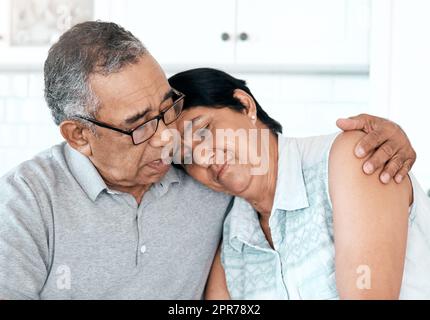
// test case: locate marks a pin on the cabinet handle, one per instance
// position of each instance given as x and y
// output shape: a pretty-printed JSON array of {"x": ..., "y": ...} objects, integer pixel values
[
  {"x": 225, "y": 36},
  {"x": 428, "y": 193},
  {"x": 243, "y": 36}
]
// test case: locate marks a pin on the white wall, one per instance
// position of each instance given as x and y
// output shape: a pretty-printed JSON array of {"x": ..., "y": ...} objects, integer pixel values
[
  {"x": 410, "y": 80},
  {"x": 310, "y": 104},
  {"x": 25, "y": 123},
  {"x": 400, "y": 72},
  {"x": 304, "y": 104}
]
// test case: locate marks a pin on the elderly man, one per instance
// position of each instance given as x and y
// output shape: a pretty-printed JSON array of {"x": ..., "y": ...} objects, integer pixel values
[{"x": 100, "y": 216}]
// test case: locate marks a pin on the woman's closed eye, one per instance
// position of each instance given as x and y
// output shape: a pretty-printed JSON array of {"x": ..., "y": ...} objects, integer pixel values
[
  {"x": 187, "y": 157},
  {"x": 202, "y": 132}
]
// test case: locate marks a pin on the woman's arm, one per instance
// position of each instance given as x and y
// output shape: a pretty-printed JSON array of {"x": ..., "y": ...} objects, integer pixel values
[
  {"x": 216, "y": 287},
  {"x": 370, "y": 226}
]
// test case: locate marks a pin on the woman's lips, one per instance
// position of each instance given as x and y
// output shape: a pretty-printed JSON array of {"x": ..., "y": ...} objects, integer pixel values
[{"x": 221, "y": 171}]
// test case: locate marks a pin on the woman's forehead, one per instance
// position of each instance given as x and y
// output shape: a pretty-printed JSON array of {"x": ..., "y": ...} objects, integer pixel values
[{"x": 196, "y": 112}]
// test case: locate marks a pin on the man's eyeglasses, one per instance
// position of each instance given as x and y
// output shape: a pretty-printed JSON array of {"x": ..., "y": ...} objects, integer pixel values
[{"x": 146, "y": 130}]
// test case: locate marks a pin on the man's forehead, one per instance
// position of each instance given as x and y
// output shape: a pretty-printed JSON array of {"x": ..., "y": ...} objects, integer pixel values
[
  {"x": 153, "y": 93},
  {"x": 131, "y": 90},
  {"x": 130, "y": 108},
  {"x": 129, "y": 84},
  {"x": 134, "y": 114}
]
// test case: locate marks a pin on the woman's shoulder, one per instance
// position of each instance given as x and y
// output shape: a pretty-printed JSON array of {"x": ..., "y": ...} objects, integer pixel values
[
  {"x": 341, "y": 153},
  {"x": 314, "y": 149},
  {"x": 342, "y": 161},
  {"x": 346, "y": 173},
  {"x": 345, "y": 142}
]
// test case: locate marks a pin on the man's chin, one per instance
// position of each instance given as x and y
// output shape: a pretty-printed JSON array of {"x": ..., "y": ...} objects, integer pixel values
[{"x": 158, "y": 170}]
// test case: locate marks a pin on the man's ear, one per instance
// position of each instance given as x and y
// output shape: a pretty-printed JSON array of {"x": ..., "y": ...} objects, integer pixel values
[
  {"x": 77, "y": 136},
  {"x": 248, "y": 102}
]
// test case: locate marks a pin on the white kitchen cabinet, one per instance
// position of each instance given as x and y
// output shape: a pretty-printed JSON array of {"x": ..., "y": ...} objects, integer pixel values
[
  {"x": 32, "y": 57},
  {"x": 304, "y": 32},
  {"x": 300, "y": 34},
  {"x": 181, "y": 32},
  {"x": 4, "y": 23},
  {"x": 263, "y": 36}
]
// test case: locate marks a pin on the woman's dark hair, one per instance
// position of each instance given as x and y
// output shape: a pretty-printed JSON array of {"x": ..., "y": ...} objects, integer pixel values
[{"x": 205, "y": 87}]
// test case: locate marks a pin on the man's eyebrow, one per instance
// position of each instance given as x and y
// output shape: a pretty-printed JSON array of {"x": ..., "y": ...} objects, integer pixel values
[
  {"x": 136, "y": 117},
  {"x": 140, "y": 115},
  {"x": 168, "y": 95}
]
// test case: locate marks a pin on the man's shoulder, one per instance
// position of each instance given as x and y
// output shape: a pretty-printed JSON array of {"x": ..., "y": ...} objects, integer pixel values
[
  {"x": 44, "y": 167},
  {"x": 25, "y": 192}
]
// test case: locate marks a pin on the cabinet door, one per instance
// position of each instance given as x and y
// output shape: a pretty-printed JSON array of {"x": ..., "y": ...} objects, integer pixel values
[
  {"x": 303, "y": 32},
  {"x": 4, "y": 22},
  {"x": 181, "y": 32},
  {"x": 26, "y": 33}
]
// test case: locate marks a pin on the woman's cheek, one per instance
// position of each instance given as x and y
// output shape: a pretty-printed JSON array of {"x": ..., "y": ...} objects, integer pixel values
[
  {"x": 237, "y": 179},
  {"x": 198, "y": 173}
]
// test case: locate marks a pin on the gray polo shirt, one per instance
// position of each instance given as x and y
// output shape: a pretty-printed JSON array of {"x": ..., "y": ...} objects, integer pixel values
[{"x": 65, "y": 235}]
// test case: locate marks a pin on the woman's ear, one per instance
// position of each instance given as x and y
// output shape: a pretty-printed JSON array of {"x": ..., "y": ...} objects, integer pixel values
[{"x": 248, "y": 102}]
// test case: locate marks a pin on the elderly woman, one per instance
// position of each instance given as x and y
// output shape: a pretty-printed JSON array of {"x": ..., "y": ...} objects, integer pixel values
[{"x": 312, "y": 226}]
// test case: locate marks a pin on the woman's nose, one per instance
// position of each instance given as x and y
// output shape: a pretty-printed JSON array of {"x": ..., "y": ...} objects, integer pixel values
[
  {"x": 215, "y": 169},
  {"x": 205, "y": 158}
]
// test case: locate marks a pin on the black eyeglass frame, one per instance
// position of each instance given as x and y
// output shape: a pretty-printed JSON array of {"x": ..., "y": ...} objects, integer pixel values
[{"x": 158, "y": 118}]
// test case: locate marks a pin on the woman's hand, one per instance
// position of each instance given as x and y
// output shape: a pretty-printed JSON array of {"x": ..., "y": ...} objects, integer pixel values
[
  {"x": 388, "y": 144},
  {"x": 216, "y": 287}
]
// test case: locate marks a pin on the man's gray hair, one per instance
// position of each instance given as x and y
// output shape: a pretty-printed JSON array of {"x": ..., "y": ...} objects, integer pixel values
[{"x": 92, "y": 47}]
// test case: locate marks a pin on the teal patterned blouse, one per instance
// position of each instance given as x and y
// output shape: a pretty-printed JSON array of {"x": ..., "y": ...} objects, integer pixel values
[{"x": 302, "y": 263}]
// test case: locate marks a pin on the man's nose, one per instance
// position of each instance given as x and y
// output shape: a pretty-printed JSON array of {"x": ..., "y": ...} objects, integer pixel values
[{"x": 162, "y": 136}]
